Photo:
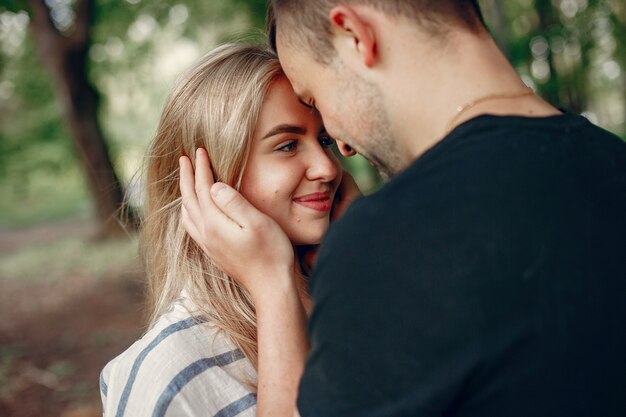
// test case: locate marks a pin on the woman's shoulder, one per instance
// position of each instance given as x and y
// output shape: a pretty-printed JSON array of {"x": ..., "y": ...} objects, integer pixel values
[{"x": 183, "y": 365}]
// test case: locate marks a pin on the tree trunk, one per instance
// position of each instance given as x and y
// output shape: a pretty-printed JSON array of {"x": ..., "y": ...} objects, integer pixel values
[{"x": 66, "y": 57}]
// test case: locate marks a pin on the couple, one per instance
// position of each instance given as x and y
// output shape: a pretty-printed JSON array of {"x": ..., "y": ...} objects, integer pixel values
[{"x": 486, "y": 278}]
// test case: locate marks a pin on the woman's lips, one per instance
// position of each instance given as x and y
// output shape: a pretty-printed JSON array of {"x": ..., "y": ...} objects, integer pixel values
[{"x": 316, "y": 201}]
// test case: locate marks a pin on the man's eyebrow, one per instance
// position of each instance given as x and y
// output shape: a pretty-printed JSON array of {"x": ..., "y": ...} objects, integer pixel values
[{"x": 285, "y": 128}]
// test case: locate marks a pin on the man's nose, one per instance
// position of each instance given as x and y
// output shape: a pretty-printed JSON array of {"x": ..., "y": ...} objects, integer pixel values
[{"x": 345, "y": 149}]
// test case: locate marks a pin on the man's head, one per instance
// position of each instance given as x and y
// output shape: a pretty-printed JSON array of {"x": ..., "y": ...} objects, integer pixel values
[
  {"x": 333, "y": 53},
  {"x": 307, "y": 24}
]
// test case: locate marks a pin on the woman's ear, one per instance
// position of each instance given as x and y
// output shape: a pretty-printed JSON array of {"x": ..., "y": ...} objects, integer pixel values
[{"x": 353, "y": 35}]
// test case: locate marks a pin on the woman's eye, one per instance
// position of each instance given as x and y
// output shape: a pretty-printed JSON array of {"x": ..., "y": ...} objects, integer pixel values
[
  {"x": 326, "y": 141},
  {"x": 287, "y": 147}
]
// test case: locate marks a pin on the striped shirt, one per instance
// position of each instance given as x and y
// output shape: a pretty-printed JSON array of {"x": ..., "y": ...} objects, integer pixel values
[{"x": 183, "y": 366}]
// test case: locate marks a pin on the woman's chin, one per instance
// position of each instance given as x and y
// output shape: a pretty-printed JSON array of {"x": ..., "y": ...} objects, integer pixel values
[
  {"x": 306, "y": 242},
  {"x": 308, "y": 237}
]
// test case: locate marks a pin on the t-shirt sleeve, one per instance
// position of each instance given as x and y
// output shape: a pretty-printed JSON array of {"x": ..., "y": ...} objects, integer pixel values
[{"x": 381, "y": 339}]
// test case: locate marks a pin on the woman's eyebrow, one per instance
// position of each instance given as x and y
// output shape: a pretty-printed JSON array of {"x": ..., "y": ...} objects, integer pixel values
[{"x": 284, "y": 128}]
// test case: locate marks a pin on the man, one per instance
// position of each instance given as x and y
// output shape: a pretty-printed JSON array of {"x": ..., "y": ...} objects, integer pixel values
[{"x": 487, "y": 277}]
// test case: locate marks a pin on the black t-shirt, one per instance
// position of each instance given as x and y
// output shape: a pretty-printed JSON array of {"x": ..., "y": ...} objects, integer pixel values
[{"x": 488, "y": 279}]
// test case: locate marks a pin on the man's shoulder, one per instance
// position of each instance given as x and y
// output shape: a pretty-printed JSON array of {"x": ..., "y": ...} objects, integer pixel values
[{"x": 496, "y": 174}]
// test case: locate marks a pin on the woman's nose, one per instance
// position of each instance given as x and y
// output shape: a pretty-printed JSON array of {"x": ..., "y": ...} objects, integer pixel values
[{"x": 322, "y": 165}]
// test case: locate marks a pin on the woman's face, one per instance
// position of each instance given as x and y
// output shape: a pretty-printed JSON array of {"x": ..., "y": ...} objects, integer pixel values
[{"x": 292, "y": 174}]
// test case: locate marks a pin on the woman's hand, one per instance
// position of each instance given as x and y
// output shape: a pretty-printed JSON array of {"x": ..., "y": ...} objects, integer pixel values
[
  {"x": 347, "y": 192},
  {"x": 251, "y": 248},
  {"x": 243, "y": 242}
]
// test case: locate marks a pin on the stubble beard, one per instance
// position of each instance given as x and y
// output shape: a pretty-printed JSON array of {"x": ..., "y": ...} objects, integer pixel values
[{"x": 373, "y": 140}]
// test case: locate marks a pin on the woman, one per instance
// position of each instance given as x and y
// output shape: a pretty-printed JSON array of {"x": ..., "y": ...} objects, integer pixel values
[{"x": 200, "y": 355}]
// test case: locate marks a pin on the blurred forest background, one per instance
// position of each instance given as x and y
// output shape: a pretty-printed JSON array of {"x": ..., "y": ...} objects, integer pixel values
[{"x": 82, "y": 83}]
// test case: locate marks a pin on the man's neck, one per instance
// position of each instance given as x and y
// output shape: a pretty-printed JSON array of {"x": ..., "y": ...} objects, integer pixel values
[{"x": 432, "y": 82}]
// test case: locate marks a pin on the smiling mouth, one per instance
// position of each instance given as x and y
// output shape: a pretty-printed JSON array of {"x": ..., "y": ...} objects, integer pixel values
[{"x": 316, "y": 201}]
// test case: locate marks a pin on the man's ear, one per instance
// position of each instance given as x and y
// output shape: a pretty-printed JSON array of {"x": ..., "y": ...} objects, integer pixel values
[{"x": 353, "y": 35}]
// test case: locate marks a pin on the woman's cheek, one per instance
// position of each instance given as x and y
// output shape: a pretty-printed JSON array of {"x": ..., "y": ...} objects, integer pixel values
[{"x": 272, "y": 190}]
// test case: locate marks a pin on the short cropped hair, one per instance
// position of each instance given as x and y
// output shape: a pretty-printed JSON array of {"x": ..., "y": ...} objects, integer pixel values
[{"x": 308, "y": 24}]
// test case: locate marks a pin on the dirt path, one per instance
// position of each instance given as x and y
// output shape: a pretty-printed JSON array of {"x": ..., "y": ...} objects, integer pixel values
[
  {"x": 56, "y": 335},
  {"x": 11, "y": 240}
]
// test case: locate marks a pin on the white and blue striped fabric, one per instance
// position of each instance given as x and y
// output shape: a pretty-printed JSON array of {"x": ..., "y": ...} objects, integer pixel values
[{"x": 183, "y": 366}]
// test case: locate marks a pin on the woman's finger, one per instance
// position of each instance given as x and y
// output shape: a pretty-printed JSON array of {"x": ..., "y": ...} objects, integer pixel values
[
  {"x": 204, "y": 179},
  {"x": 191, "y": 228},
  {"x": 203, "y": 213},
  {"x": 348, "y": 191},
  {"x": 213, "y": 219},
  {"x": 235, "y": 206},
  {"x": 202, "y": 217},
  {"x": 188, "y": 188}
]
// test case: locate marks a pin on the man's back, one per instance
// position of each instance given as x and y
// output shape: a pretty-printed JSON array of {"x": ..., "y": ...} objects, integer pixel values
[{"x": 487, "y": 279}]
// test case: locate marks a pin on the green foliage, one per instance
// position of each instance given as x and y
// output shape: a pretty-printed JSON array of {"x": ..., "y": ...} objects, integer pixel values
[
  {"x": 39, "y": 196},
  {"x": 568, "y": 50},
  {"x": 39, "y": 175},
  {"x": 132, "y": 42}
]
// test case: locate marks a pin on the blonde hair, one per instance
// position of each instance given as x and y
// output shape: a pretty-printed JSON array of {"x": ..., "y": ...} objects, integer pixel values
[{"x": 215, "y": 105}]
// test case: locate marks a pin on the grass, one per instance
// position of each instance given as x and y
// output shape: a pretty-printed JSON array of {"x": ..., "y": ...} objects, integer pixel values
[
  {"x": 54, "y": 261},
  {"x": 42, "y": 198}
]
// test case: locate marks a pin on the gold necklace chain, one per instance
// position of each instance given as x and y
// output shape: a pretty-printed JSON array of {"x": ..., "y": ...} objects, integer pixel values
[{"x": 497, "y": 96}]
